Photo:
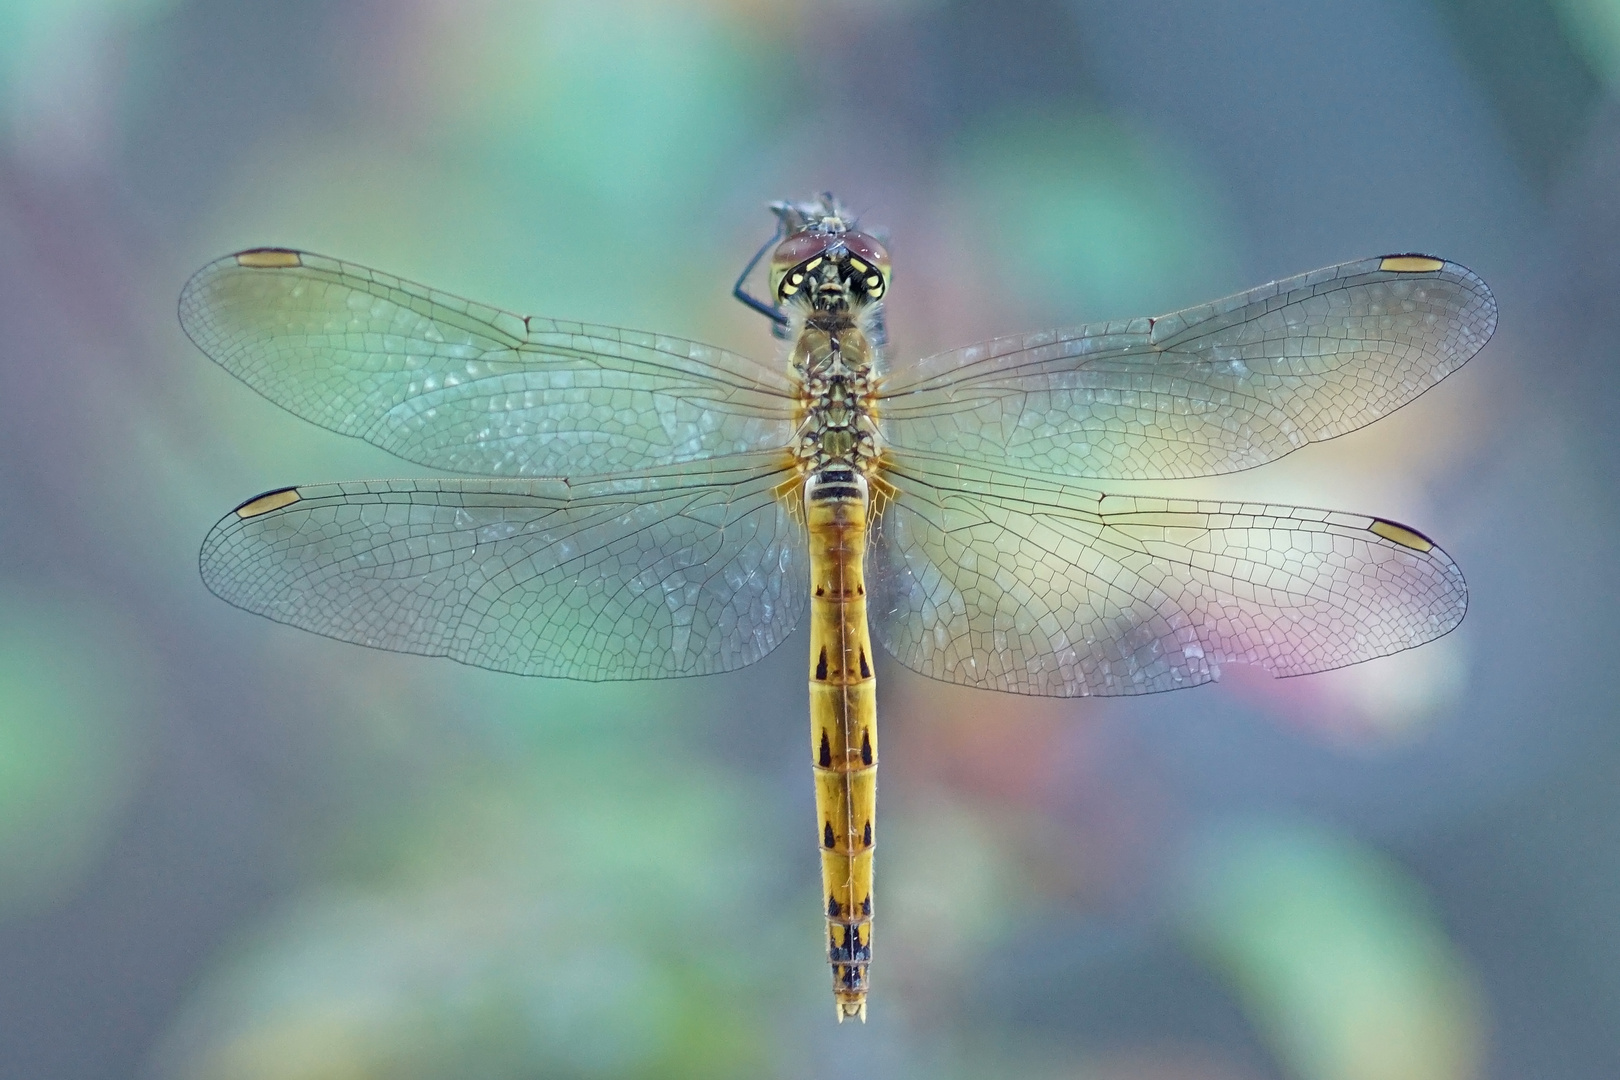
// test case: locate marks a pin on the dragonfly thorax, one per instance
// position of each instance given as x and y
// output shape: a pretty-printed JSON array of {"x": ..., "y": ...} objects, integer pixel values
[{"x": 833, "y": 360}]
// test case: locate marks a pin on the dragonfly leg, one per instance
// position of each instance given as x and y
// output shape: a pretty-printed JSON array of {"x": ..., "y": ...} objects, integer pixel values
[{"x": 770, "y": 311}]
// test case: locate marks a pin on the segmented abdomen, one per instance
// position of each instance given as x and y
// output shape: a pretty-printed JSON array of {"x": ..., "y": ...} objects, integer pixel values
[{"x": 843, "y": 726}]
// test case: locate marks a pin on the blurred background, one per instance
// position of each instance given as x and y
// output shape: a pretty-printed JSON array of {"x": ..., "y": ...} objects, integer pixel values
[{"x": 229, "y": 849}]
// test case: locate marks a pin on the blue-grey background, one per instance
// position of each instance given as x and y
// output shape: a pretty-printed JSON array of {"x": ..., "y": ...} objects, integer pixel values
[{"x": 232, "y": 850}]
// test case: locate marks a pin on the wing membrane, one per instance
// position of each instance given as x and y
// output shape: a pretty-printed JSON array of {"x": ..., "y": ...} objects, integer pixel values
[
  {"x": 1212, "y": 389},
  {"x": 676, "y": 572},
  {"x": 458, "y": 386},
  {"x": 1019, "y": 584}
]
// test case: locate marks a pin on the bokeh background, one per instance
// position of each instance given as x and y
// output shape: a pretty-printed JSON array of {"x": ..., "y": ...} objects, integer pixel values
[{"x": 232, "y": 850}]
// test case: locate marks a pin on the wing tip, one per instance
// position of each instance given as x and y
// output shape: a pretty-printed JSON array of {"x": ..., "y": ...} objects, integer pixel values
[
  {"x": 189, "y": 309},
  {"x": 1450, "y": 578},
  {"x": 1419, "y": 263}
]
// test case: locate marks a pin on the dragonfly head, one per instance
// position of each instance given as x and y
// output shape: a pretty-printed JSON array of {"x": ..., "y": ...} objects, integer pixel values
[{"x": 825, "y": 258}]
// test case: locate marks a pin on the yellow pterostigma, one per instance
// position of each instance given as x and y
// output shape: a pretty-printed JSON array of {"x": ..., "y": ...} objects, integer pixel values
[{"x": 649, "y": 507}]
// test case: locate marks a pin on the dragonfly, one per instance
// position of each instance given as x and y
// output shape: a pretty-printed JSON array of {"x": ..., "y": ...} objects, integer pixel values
[{"x": 641, "y": 506}]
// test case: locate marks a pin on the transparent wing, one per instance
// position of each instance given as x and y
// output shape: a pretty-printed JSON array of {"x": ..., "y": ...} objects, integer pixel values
[
  {"x": 459, "y": 386},
  {"x": 675, "y": 572},
  {"x": 1213, "y": 389},
  {"x": 1019, "y": 584}
]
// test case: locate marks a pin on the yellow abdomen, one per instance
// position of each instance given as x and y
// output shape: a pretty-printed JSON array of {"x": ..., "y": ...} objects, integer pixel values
[{"x": 843, "y": 727}]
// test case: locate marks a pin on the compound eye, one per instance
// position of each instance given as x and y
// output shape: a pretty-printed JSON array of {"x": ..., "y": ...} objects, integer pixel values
[
  {"x": 790, "y": 255},
  {"x": 870, "y": 261}
]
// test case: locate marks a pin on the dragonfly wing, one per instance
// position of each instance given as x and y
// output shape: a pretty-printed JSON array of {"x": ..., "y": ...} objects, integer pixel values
[
  {"x": 1213, "y": 389},
  {"x": 674, "y": 572},
  {"x": 459, "y": 386},
  {"x": 1020, "y": 584}
]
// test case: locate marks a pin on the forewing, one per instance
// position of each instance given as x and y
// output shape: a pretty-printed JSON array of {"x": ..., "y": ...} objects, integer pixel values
[
  {"x": 1018, "y": 584},
  {"x": 1213, "y": 389},
  {"x": 676, "y": 572},
  {"x": 458, "y": 386}
]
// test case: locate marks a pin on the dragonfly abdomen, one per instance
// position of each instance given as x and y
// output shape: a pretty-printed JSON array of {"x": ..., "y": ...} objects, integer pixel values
[{"x": 843, "y": 725}]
